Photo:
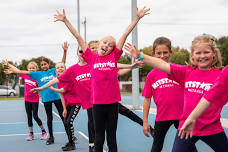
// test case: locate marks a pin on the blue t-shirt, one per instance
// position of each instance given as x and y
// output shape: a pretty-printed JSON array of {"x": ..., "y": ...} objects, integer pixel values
[{"x": 43, "y": 77}]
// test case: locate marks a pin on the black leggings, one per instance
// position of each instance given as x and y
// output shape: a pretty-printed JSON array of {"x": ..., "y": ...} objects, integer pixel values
[
  {"x": 48, "y": 109},
  {"x": 161, "y": 128},
  {"x": 72, "y": 112},
  {"x": 91, "y": 130},
  {"x": 218, "y": 142},
  {"x": 32, "y": 110},
  {"x": 105, "y": 119},
  {"x": 131, "y": 115}
]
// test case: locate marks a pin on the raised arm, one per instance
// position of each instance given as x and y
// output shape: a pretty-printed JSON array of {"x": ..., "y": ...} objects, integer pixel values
[
  {"x": 62, "y": 17},
  {"x": 13, "y": 69},
  {"x": 65, "y": 48},
  {"x": 189, "y": 123},
  {"x": 152, "y": 61},
  {"x": 47, "y": 85},
  {"x": 139, "y": 15}
]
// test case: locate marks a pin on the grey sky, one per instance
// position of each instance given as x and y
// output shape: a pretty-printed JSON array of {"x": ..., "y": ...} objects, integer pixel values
[{"x": 27, "y": 28}]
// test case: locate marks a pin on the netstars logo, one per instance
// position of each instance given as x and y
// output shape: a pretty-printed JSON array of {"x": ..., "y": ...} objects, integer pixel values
[
  {"x": 47, "y": 78},
  {"x": 165, "y": 82},
  {"x": 29, "y": 82},
  {"x": 198, "y": 87},
  {"x": 104, "y": 65},
  {"x": 82, "y": 77}
]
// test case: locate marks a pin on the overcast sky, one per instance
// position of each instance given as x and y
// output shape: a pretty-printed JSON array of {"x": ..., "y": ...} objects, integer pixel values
[{"x": 27, "y": 29}]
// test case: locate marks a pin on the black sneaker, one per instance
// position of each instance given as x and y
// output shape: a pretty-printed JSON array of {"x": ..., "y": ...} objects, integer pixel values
[
  {"x": 69, "y": 147},
  {"x": 50, "y": 141},
  {"x": 152, "y": 131},
  {"x": 65, "y": 145}
]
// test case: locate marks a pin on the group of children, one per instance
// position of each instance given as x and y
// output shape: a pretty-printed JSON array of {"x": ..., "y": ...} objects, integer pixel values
[{"x": 93, "y": 84}]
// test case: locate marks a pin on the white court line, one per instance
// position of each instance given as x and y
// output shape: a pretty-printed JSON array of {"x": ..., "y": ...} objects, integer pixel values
[
  {"x": 15, "y": 123},
  {"x": 9, "y": 135},
  {"x": 78, "y": 131}
]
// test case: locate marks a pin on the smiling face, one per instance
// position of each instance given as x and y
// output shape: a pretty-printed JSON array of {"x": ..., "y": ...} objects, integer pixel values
[
  {"x": 32, "y": 67},
  {"x": 162, "y": 52},
  {"x": 202, "y": 56},
  {"x": 44, "y": 65},
  {"x": 60, "y": 68},
  {"x": 106, "y": 46}
]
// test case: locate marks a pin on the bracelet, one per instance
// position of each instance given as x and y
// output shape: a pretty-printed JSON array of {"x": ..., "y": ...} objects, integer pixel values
[{"x": 141, "y": 56}]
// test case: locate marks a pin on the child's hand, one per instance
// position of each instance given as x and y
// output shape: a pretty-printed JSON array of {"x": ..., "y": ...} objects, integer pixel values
[
  {"x": 142, "y": 12},
  {"x": 65, "y": 46},
  {"x": 64, "y": 113},
  {"x": 34, "y": 90},
  {"x": 8, "y": 71},
  {"x": 5, "y": 62},
  {"x": 11, "y": 68},
  {"x": 137, "y": 64},
  {"x": 146, "y": 129},
  {"x": 132, "y": 50},
  {"x": 187, "y": 128},
  {"x": 59, "y": 16}
]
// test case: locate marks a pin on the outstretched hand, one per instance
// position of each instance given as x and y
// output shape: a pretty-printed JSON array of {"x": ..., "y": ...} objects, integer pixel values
[
  {"x": 8, "y": 71},
  {"x": 65, "y": 46},
  {"x": 132, "y": 50},
  {"x": 5, "y": 62},
  {"x": 137, "y": 64},
  {"x": 187, "y": 129},
  {"x": 11, "y": 69},
  {"x": 142, "y": 12},
  {"x": 34, "y": 90},
  {"x": 59, "y": 16}
]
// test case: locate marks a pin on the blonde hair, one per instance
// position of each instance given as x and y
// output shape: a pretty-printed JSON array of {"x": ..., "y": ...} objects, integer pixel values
[
  {"x": 32, "y": 63},
  {"x": 92, "y": 42},
  {"x": 62, "y": 63},
  {"x": 109, "y": 37},
  {"x": 210, "y": 41}
]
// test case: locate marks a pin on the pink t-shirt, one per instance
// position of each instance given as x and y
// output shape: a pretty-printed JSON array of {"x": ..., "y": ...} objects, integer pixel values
[
  {"x": 104, "y": 81},
  {"x": 167, "y": 94},
  {"x": 218, "y": 94},
  {"x": 81, "y": 77},
  {"x": 30, "y": 84},
  {"x": 196, "y": 83},
  {"x": 70, "y": 96}
]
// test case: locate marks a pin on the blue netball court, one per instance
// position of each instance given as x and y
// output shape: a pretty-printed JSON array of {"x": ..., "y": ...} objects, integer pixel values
[{"x": 14, "y": 130}]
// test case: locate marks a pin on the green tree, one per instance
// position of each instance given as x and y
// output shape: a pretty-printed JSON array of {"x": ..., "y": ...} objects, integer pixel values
[
  {"x": 222, "y": 44},
  {"x": 24, "y": 63},
  {"x": 179, "y": 56}
]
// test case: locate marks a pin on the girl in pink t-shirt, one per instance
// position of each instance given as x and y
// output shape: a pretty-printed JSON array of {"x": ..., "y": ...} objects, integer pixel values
[
  {"x": 196, "y": 79},
  {"x": 217, "y": 95},
  {"x": 104, "y": 80},
  {"x": 167, "y": 95},
  {"x": 32, "y": 102}
]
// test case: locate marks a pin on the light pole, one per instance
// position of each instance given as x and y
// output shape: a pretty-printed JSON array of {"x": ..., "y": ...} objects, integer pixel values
[
  {"x": 78, "y": 11},
  {"x": 84, "y": 22},
  {"x": 135, "y": 72}
]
